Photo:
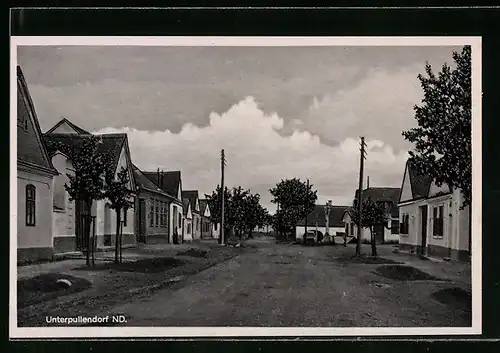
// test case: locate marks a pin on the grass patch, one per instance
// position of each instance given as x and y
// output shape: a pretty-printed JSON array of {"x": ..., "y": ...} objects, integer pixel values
[
  {"x": 193, "y": 253},
  {"x": 369, "y": 260},
  {"x": 153, "y": 265},
  {"x": 454, "y": 296},
  {"x": 404, "y": 273},
  {"x": 44, "y": 287}
]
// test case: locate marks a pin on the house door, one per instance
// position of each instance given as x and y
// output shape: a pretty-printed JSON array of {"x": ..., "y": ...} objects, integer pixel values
[
  {"x": 142, "y": 221},
  {"x": 423, "y": 229},
  {"x": 378, "y": 231},
  {"x": 82, "y": 225}
]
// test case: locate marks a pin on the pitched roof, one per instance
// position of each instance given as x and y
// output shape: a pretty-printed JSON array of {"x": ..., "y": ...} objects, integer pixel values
[
  {"x": 381, "y": 194},
  {"x": 78, "y": 130},
  {"x": 319, "y": 215},
  {"x": 420, "y": 184},
  {"x": 192, "y": 195},
  {"x": 112, "y": 144},
  {"x": 171, "y": 181},
  {"x": 203, "y": 205},
  {"x": 31, "y": 148},
  {"x": 143, "y": 181}
]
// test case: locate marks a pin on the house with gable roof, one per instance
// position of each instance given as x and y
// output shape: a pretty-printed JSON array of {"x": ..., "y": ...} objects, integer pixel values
[
  {"x": 152, "y": 208},
  {"x": 170, "y": 182},
  {"x": 317, "y": 220},
  {"x": 188, "y": 221},
  {"x": 192, "y": 195},
  {"x": 68, "y": 223},
  {"x": 206, "y": 223},
  {"x": 387, "y": 233},
  {"x": 431, "y": 220},
  {"x": 35, "y": 182}
]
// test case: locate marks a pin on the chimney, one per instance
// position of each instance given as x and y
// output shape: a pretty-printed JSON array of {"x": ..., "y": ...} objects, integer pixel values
[
  {"x": 161, "y": 179},
  {"x": 368, "y": 182},
  {"x": 158, "y": 176}
]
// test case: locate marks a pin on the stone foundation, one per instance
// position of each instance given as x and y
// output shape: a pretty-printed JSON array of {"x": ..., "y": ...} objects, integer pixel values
[
  {"x": 437, "y": 251},
  {"x": 28, "y": 255}
]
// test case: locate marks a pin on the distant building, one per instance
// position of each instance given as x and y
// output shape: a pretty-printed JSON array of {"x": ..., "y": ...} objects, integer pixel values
[
  {"x": 206, "y": 224},
  {"x": 35, "y": 182},
  {"x": 387, "y": 233},
  {"x": 192, "y": 195},
  {"x": 317, "y": 220},
  {"x": 430, "y": 217},
  {"x": 188, "y": 220}
]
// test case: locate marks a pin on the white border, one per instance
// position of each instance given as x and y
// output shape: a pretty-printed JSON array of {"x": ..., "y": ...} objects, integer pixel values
[{"x": 145, "y": 332}]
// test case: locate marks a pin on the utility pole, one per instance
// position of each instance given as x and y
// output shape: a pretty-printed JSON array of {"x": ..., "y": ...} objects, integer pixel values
[
  {"x": 360, "y": 194},
  {"x": 305, "y": 203},
  {"x": 222, "y": 165}
]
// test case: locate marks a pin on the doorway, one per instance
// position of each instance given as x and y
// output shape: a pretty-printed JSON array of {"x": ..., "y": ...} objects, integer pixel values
[
  {"x": 423, "y": 229},
  {"x": 378, "y": 231}
]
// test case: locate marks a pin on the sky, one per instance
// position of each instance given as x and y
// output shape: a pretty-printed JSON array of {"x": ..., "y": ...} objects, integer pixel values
[{"x": 278, "y": 112}]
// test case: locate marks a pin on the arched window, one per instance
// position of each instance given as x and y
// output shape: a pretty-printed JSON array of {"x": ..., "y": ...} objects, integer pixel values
[{"x": 30, "y": 205}]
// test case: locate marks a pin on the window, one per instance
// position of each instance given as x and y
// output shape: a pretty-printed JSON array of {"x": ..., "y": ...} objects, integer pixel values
[
  {"x": 189, "y": 228},
  {"x": 404, "y": 225},
  {"x": 180, "y": 220},
  {"x": 437, "y": 220},
  {"x": 157, "y": 209},
  {"x": 395, "y": 226},
  {"x": 215, "y": 227},
  {"x": 197, "y": 224},
  {"x": 161, "y": 213},
  {"x": 352, "y": 228},
  {"x": 151, "y": 212},
  {"x": 30, "y": 205}
]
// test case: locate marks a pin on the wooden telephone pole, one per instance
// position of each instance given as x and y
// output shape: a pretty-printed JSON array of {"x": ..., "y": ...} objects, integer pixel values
[
  {"x": 360, "y": 194},
  {"x": 222, "y": 165},
  {"x": 307, "y": 214}
]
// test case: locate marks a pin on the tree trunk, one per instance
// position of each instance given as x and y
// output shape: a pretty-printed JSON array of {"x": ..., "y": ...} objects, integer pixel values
[
  {"x": 121, "y": 241},
  {"x": 372, "y": 237},
  {"x": 86, "y": 223},
  {"x": 117, "y": 237}
]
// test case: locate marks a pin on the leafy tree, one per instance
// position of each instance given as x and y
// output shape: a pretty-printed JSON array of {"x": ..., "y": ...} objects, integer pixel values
[
  {"x": 87, "y": 183},
  {"x": 442, "y": 139},
  {"x": 237, "y": 210},
  {"x": 295, "y": 199},
  {"x": 372, "y": 215},
  {"x": 254, "y": 213},
  {"x": 118, "y": 193},
  {"x": 215, "y": 203}
]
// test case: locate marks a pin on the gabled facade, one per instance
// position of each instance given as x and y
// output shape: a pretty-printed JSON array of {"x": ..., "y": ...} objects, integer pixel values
[
  {"x": 35, "y": 182},
  {"x": 171, "y": 184},
  {"x": 188, "y": 221},
  {"x": 318, "y": 220},
  {"x": 152, "y": 209},
  {"x": 192, "y": 195},
  {"x": 388, "y": 233},
  {"x": 68, "y": 222},
  {"x": 206, "y": 224},
  {"x": 431, "y": 221}
]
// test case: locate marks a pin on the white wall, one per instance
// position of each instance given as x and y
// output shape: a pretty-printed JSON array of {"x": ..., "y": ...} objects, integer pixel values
[
  {"x": 216, "y": 233},
  {"x": 188, "y": 236},
  {"x": 171, "y": 223},
  {"x": 40, "y": 235},
  {"x": 64, "y": 220}
]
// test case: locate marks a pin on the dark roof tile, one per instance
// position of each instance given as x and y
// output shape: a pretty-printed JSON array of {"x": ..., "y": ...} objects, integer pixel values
[{"x": 319, "y": 215}]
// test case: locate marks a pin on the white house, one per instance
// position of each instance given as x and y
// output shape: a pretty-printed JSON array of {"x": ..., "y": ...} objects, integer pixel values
[
  {"x": 188, "y": 221},
  {"x": 192, "y": 195},
  {"x": 388, "y": 233},
  {"x": 68, "y": 225},
  {"x": 318, "y": 220},
  {"x": 35, "y": 178},
  {"x": 431, "y": 221},
  {"x": 206, "y": 223}
]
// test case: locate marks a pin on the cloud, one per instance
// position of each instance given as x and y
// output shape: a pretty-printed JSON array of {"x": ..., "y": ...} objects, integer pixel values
[
  {"x": 258, "y": 155},
  {"x": 379, "y": 107}
]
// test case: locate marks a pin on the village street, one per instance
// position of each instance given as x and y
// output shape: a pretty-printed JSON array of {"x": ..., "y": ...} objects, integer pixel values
[{"x": 294, "y": 285}]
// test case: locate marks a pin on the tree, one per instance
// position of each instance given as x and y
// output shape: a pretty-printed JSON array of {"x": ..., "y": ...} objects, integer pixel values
[
  {"x": 118, "y": 194},
  {"x": 87, "y": 183},
  {"x": 372, "y": 215},
  {"x": 215, "y": 203},
  {"x": 295, "y": 199},
  {"x": 254, "y": 213},
  {"x": 442, "y": 139}
]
